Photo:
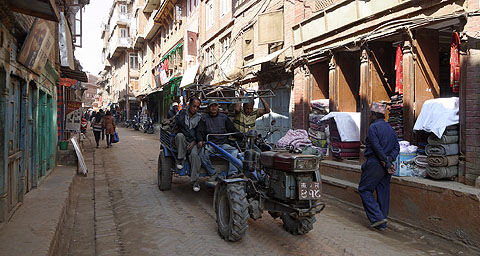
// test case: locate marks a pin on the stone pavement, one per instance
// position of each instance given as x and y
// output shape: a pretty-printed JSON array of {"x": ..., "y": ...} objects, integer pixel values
[
  {"x": 35, "y": 227},
  {"x": 141, "y": 220}
]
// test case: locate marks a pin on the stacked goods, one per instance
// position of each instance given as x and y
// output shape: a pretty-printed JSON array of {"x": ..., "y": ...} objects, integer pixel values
[
  {"x": 341, "y": 149},
  {"x": 395, "y": 118},
  {"x": 317, "y": 130},
  {"x": 443, "y": 154}
]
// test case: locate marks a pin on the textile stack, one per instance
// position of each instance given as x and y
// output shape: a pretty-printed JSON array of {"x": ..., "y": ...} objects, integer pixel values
[
  {"x": 341, "y": 150},
  {"x": 317, "y": 131},
  {"x": 395, "y": 118},
  {"x": 443, "y": 154}
]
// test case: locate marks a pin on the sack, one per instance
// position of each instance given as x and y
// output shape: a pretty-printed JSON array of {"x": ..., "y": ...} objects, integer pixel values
[{"x": 115, "y": 137}]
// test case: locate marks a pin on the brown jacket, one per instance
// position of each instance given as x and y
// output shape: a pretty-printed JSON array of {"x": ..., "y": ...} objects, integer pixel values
[{"x": 109, "y": 124}]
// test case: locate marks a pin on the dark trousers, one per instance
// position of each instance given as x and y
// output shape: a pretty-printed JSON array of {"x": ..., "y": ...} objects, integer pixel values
[
  {"x": 103, "y": 133},
  {"x": 375, "y": 178},
  {"x": 97, "y": 136},
  {"x": 109, "y": 139}
]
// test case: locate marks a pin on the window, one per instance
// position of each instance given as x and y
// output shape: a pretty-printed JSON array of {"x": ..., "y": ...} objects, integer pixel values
[
  {"x": 123, "y": 33},
  {"x": 224, "y": 44},
  {"x": 225, "y": 7},
  {"x": 210, "y": 14},
  {"x": 123, "y": 9},
  {"x": 133, "y": 61},
  {"x": 134, "y": 84},
  {"x": 210, "y": 55}
]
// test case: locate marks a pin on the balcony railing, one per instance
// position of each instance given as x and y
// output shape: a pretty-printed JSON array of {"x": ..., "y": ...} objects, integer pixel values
[{"x": 123, "y": 18}]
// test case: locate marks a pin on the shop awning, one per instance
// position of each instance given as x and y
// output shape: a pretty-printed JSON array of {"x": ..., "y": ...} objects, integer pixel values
[
  {"x": 45, "y": 9},
  {"x": 73, "y": 74},
  {"x": 189, "y": 76},
  {"x": 267, "y": 58},
  {"x": 174, "y": 50}
]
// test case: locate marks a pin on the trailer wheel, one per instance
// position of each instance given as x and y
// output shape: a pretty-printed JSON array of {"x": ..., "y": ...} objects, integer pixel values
[
  {"x": 299, "y": 226},
  {"x": 231, "y": 210},
  {"x": 164, "y": 172}
]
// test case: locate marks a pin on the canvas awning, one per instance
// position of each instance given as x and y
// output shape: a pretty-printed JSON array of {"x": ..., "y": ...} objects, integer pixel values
[
  {"x": 73, "y": 74},
  {"x": 189, "y": 76},
  {"x": 267, "y": 58}
]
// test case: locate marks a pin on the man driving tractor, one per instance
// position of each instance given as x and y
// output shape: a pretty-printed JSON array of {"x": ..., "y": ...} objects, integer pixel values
[{"x": 216, "y": 123}]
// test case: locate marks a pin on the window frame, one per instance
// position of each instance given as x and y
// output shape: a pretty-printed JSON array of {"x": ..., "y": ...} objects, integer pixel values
[
  {"x": 210, "y": 14},
  {"x": 133, "y": 56}
]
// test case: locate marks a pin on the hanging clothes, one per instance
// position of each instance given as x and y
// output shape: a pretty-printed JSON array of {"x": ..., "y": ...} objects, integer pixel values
[
  {"x": 399, "y": 70},
  {"x": 455, "y": 63}
]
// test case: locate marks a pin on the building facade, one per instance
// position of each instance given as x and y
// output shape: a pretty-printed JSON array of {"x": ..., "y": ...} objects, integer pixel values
[{"x": 36, "y": 52}]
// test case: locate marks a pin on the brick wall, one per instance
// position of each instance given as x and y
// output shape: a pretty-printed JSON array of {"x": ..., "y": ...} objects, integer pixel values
[
  {"x": 301, "y": 107},
  {"x": 472, "y": 98}
]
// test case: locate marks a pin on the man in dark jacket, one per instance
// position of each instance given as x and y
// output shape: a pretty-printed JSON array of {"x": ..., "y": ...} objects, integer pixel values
[
  {"x": 382, "y": 150},
  {"x": 186, "y": 122},
  {"x": 216, "y": 123}
]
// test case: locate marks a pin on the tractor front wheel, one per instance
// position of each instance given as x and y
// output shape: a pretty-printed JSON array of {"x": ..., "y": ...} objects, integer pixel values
[
  {"x": 297, "y": 226},
  {"x": 231, "y": 210}
]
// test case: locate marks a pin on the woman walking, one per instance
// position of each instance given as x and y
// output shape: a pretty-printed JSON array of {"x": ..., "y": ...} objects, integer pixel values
[
  {"x": 109, "y": 125},
  {"x": 97, "y": 125}
]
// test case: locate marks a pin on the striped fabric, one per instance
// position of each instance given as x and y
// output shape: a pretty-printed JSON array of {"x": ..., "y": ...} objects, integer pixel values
[{"x": 244, "y": 122}]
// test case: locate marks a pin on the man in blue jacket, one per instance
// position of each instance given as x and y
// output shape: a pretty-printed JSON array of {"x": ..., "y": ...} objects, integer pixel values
[{"x": 382, "y": 150}]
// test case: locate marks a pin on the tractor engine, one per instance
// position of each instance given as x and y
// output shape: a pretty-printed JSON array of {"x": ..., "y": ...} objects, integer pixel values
[{"x": 291, "y": 177}]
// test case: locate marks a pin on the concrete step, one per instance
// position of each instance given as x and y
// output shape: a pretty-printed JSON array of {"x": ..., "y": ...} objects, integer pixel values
[{"x": 341, "y": 170}]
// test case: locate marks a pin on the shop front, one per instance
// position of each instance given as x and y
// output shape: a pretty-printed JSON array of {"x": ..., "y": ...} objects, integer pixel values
[{"x": 407, "y": 63}]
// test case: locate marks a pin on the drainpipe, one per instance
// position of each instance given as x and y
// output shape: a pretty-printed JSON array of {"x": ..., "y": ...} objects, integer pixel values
[{"x": 127, "y": 103}]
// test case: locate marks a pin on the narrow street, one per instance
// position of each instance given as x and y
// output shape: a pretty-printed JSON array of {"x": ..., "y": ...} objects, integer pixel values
[{"x": 135, "y": 218}]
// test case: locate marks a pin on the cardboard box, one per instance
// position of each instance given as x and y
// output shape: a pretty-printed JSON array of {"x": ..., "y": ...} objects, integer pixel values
[{"x": 405, "y": 164}]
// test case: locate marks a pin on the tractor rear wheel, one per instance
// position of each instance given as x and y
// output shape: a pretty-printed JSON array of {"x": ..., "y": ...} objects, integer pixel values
[
  {"x": 298, "y": 226},
  {"x": 164, "y": 172},
  {"x": 231, "y": 210}
]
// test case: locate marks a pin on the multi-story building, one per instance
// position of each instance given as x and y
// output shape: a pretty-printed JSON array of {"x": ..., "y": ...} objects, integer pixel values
[{"x": 91, "y": 91}]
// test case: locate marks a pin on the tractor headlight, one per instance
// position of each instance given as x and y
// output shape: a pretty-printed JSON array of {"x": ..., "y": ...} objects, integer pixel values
[{"x": 306, "y": 164}]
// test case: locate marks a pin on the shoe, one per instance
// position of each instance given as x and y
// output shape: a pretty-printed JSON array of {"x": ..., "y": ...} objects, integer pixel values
[
  {"x": 196, "y": 186},
  {"x": 97, "y": 146},
  {"x": 381, "y": 228},
  {"x": 180, "y": 164},
  {"x": 378, "y": 223},
  {"x": 213, "y": 177}
]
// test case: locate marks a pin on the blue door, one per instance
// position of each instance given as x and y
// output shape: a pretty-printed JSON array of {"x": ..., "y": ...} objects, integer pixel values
[{"x": 13, "y": 143}]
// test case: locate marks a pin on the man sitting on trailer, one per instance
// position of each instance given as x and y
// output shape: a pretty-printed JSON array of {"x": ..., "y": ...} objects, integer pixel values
[
  {"x": 216, "y": 123},
  {"x": 186, "y": 122},
  {"x": 245, "y": 117}
]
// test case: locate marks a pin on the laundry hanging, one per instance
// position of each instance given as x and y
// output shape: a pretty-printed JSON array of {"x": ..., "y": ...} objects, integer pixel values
[
  {"x": 399, "y": 71},
  {"x": 455, "y": 63}
]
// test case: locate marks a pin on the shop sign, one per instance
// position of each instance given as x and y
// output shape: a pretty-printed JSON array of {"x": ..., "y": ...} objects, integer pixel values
[
  {"x": 73, "y": 116},
  {"x": 37, "y": 47},
  {"x": 68, "y": 82}
]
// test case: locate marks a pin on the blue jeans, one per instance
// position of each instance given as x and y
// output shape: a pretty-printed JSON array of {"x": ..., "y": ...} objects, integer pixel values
[{"x": 208, "y": 150}]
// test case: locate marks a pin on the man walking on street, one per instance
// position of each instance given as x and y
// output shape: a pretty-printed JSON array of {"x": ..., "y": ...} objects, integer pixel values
[
  {"x": 382, "y": 150},
  {"x": 186, "y": 122}
]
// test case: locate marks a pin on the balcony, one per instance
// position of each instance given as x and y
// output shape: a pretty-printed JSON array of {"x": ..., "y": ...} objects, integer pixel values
[
  {"x": 117, "y": 46},
  {"x": 152, "y": 27},
  {"x": 123, "y": 19},
  {"x": 151, "y": 5}
]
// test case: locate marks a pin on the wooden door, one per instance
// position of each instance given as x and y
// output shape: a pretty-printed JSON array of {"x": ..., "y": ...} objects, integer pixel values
[
  {"x": 348, "y": 81},
  {"x": 13, "y": 142}
]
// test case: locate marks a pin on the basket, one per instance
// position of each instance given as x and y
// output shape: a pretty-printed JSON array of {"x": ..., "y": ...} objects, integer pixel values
[{"x": 63, "y": 145}]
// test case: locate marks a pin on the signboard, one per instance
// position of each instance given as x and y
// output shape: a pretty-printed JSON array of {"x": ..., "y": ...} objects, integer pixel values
[
  {"x": 81, "y": 160},
  {"x": 37, "y": 46},
  {"x": 73, "y": 116},
  {"x": 67, "y": 82}
]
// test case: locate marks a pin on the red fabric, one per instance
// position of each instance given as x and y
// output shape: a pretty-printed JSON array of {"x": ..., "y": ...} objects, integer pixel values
[
  {"x": 399, "y": 71},
  {"x": 344, "y": 145},
  {"x": 455, "y": 63}
]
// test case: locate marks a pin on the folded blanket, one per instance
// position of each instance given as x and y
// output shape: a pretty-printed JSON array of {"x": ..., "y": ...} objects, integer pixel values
[
  {"x": 450, "y": 132},
  {"x": 345, "y": 145},
  {"x": 421, "y": 161},
  {"x": 346, "y": 155},
  {"x": 296, "y": 138},
  {"x": 316, "y": 134},
  {"x": 438, "y": 161},
  {"x": 432, "y": 139},
  {"x": 442, "y": 172},
  {"x": 441, "y": 150},
  {"x": 345, "y": 150}
]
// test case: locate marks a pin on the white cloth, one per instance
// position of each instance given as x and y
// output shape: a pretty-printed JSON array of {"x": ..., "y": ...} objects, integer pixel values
[
  {"x": 348, "y": 125},
  {"x": 437, "y": 114}
]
